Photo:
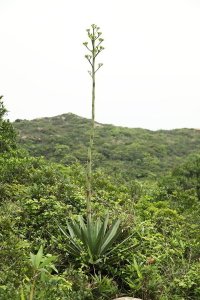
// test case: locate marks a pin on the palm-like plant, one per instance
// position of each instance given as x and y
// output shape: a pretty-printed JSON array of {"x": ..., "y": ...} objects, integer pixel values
[{"x": 95, "y": 237}]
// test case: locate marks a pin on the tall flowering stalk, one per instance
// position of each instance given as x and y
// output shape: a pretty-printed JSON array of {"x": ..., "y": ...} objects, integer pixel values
[
  {"x": 93, "y": 236},
  {"x": 94, "y": 47}
]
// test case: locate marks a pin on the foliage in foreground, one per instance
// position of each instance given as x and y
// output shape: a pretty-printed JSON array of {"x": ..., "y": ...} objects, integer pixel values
[{"x": 161, "y": 218}]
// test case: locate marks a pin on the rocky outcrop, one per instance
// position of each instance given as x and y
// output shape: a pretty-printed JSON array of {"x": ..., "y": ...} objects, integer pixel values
[{"x": 127, "y": 298}]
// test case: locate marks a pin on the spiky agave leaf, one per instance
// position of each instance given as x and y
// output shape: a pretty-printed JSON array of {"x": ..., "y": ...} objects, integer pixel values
[
  {"x": 93, "y": 236},
  {"x": 111, "y": 235},
  {"x": 72, "y": 246}
]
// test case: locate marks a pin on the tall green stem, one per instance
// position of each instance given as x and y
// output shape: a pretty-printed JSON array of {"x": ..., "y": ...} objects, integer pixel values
[
  {"x": 93, "y": 35},
  {"x": 32, "y": 290}
]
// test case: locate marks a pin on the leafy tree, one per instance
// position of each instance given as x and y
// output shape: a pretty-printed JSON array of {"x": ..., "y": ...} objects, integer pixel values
[
  {"x": 7, "y": 132},
  {"x": 188, "y": 174}
]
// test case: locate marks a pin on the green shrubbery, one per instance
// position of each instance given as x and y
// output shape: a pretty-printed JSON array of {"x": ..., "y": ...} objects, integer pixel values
[{"x": 160, "y": 260}]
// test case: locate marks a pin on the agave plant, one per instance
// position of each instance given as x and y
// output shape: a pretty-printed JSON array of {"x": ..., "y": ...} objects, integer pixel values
[{"x": 95, "y": 237}]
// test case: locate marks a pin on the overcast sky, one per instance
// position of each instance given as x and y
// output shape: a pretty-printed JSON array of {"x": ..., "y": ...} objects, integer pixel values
[{"x": 151, "y": 72}]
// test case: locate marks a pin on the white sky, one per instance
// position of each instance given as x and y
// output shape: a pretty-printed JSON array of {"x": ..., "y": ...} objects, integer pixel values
[{"x": 151, "y": 72}]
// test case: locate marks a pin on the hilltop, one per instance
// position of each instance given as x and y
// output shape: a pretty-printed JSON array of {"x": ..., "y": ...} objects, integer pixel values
[{"x": 135, "y": 152}]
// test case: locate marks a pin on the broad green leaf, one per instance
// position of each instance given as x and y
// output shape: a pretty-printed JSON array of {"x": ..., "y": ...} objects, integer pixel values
[
  {"x": 137, "y": 268},
  {"x": 32, "y": 259},
  {"x": 47, "y": 261},
  {"x": 38, "y": 257}
]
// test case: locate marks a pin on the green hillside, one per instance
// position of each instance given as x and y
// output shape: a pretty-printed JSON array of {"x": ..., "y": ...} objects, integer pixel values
[
  {"x": 134, "y": 152},
  {"x": 143, "y": 236}
]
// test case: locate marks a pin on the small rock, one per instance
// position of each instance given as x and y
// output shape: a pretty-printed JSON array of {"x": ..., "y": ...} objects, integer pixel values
[{"x": 127, "y": 298}]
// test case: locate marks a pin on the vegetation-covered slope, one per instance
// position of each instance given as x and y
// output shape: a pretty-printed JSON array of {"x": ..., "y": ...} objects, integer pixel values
[
  {"x": 159, "y": 259},
  {"x": 135, "y": 152}
]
